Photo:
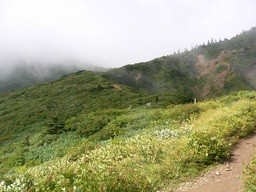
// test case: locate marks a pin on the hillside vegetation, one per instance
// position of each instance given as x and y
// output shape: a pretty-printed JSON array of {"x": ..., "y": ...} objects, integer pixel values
[
  {"x": 134, "y": 128},
  {"x": 28, "y": 74},
  {"x": 36, "y": 115},
  {"x": 25, "y": 73},
  {"x": 207, "y": 71},
  {"x": 140, "y": 149}
]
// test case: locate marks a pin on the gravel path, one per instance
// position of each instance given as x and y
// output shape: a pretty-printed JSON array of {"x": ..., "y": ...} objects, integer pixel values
[{"x": 227, "y": 177}]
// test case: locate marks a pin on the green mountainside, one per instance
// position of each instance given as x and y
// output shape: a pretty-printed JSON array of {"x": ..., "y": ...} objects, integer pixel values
[
  {"x": 140, "y": 149},
  {"x": 29, "y": 110},
  {"x": 134, "y": 128},
  {"x": 207, "y": 71}
]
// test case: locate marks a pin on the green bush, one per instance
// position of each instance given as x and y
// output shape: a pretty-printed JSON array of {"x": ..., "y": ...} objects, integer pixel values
[
  {"x": 221, "y": 67},
  {"x": 250, "y": 175},
  {"x": 208, "y": 148},
  {"x": 184, "y": 112}
]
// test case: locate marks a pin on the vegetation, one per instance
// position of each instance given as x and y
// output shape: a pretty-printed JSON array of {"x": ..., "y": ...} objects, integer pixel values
[
  {"x": 226, "y": 66},
  {"x": 94, "y": 132},
  {"x": 76, "y": 106},
  {"x": 28, "y": 74},
  {"x": 172, "y": 75},
  {"x": 250, "y": 178},
  {"x": 131, "y": 150}
]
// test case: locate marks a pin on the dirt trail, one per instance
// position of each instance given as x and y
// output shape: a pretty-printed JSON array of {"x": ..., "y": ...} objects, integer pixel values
[{"x": 227, "y": 177}]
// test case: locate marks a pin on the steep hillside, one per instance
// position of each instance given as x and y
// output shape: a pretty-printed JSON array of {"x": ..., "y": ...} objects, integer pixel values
[
  {"x": 207, "y": 71},
  {"x": 172, "y": 76},
  {"x": 36, "y": 115},
  {"x": 134, "y": 128},
  {"x": 219, "y": 76}
]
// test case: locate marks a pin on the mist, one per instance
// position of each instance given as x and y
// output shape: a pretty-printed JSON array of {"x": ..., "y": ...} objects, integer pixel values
[{"x": 112, "y": 33}]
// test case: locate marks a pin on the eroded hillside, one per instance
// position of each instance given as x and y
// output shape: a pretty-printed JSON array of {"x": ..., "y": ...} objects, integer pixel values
[{"x": 207, "y": 71}]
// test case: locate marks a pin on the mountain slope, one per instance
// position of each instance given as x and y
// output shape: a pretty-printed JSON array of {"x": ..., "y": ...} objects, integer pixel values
[
  {"x": 207, "y": 71},
  {"x": 30, "y": 109},
  {"x": 36, "y": 120},
  {"x": 94, "y": 130},
  {"x": 149, "y": 148},
  {"x": 82, "y": 91},
  {"x": 172, "y": 76},
  {"x": 24, "y": 74}
]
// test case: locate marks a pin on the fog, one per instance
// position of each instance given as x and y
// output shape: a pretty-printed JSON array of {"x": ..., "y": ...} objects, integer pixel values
[{"x": 113, "y": 33}]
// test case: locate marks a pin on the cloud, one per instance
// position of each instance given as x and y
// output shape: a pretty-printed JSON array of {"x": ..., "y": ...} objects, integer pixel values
[{"x": 113, "y": 33}]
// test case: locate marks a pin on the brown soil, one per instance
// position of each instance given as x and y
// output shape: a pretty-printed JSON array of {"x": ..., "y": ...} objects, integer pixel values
[
  {"x": 207, "y": 68},
  {"x": 138, "y": 76},
  {"x": 226, "y": 177},
  {"x": 118, "y": 87}
]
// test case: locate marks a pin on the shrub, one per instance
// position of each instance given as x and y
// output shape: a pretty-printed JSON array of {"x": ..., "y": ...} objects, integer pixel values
[
  {"x": 172, "y": 145},
  {"x": 208, "y": 148},
  {"x": 250, "y": 175},
  {"x": 221, "y": 67}
]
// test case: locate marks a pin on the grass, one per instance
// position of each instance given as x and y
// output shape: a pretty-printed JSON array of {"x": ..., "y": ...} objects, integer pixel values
[
  {"x": 77, "y": 133},
  {"x": 250, "y": 178},
  {"x": 171, "y": 146}
]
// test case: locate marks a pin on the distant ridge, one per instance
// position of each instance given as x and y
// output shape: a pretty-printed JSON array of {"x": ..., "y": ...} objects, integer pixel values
[{"x": 207, "y": 71}]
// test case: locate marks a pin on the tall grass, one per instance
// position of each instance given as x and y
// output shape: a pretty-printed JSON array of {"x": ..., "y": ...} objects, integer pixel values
[{"x": 173, "y": 147}]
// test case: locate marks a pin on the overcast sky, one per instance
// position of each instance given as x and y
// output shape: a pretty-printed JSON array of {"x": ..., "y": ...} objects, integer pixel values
[{"x": 113, "y": 33}]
